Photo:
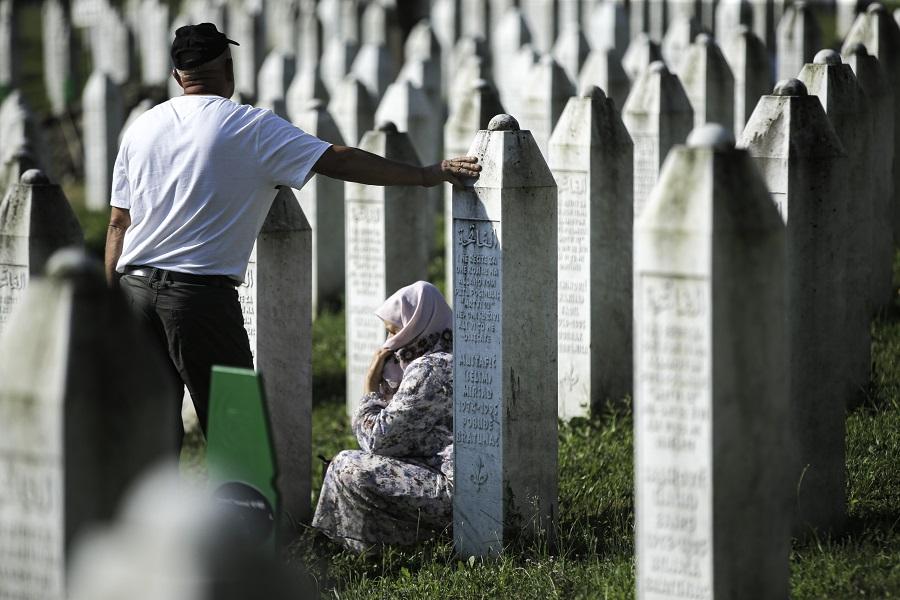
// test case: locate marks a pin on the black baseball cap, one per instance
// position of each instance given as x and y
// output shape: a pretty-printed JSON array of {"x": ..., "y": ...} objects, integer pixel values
[{"x": 198, "y": 44}]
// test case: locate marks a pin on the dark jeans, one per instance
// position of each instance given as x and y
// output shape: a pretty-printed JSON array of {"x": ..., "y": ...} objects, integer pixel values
[{"x": 197, "y": 326}]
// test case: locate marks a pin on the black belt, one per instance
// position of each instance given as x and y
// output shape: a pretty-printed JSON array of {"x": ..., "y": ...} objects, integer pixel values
[{"x": 161, "y": 275}]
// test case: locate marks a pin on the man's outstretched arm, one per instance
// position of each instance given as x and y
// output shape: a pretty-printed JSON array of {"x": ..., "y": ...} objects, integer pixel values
[
  {"x": 359, "y": 166},
  {"x": 119, "y": 221}
]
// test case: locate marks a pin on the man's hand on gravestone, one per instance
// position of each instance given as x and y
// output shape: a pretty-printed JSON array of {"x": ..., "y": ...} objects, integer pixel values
[{"x": 452, "y": 171}]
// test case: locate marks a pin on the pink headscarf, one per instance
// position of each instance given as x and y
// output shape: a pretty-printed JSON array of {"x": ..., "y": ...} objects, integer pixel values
[{"x": 425, "y": 322}]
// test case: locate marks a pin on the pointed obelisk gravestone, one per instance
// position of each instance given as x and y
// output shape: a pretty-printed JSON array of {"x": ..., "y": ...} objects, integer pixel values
[
  {"x": 679, "y": 37},
  {"x": 111, "y": 44},
  {"x": 155, "y": 43},
  {"x": 546, "y": 92},
  {"x": 276, "y": 299},
  {"x": 608, "y": 26},
  {"x": 847, "y": 108},
  {"x": 543, "y": 21},
  {"x": 59, "y": 59},
  {"x": 275, "y": 77},
  {"x": 732, "y": 15},
  {"x": 353, "y": 109},
  {"x": 385, "y": 248},
  {"x": 516, "y": 76},
  {"x": 408, "y": 107},
  {"x": 337, "y": 60},
  {"x": 603, "y": 68},
  {"x": 881, "y": 35},
  {"x": 752, "y": 70},
  {"x": 306, "y": 86},
  {"x": 804, "y": 165},
  {"x": 36, "y": 220},
  {"x": 423, "y": 63},
  {"x": 571, "y": 50},
  {"x": 874, "y": 81},
  {"x": 103, "y": 118},
  {"x": 708, "y": 82},
  {"x": 640, "y": 54},
  {"x": 512, "y": 33},
  {"x": 473, "y": 113},
  {"x": 312, "y": 41},
  {"x": 799, "y": 38},
  {"x": 83, "y": 411},
  {"x": 505, "y": 434},
  {"x": 247, "y": 26},
  {"x": 375, "y": 69},
  {"x": 658, "y": 115},
  {"x": 239, "y": 449},
  {"x": 322, "y": 200},
  {"x": 22, "y": 144},
  {"x": 470, "y": 59},
  {"x": 591, "y": 159},
  {"x": 711, "y": 404}
]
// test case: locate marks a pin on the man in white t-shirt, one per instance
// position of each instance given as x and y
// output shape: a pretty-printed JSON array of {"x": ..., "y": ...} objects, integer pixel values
[{"x": 192, "y": 184}]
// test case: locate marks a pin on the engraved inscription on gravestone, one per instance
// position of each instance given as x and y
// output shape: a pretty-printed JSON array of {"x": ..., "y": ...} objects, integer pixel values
[
  {"x": 365, "y": 285},
  {"x": 479, "y": 384},
  {"x": 13, "y": 281},
  {"x": 247, "y": 299},
  {"x": 31, "y": 503},
  {"x": 674, "y": 452},
  {"x": 574, "y": 274},
  {"x": 646, "y": 167}
]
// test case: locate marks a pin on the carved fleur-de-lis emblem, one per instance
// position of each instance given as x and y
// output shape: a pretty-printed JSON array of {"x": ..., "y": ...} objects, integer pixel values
[{"x": 480, "y": 476}]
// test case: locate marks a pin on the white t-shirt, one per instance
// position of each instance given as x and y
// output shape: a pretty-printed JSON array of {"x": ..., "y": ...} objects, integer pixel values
[{"x": 198, "y": 176}]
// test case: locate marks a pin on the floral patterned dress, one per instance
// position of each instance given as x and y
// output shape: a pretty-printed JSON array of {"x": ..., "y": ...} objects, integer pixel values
[{"x": 397, "y": 489}]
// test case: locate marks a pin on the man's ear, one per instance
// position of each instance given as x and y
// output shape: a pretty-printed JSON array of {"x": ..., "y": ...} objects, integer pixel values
[{"x": 177, "y": 77}]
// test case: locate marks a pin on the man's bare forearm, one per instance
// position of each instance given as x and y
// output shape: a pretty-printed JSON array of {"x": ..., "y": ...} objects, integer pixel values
[
  {"x": 119, "y": 221},
  {"x": 359, "y": 166}
]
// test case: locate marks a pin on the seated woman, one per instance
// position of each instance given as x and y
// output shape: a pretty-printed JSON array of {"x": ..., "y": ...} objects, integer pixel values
[{"x": 397, "y": 490}]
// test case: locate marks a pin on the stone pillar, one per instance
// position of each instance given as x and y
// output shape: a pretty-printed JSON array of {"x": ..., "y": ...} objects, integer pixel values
[
  {"x": 708, "y": 82},
  {"x": 847, "y": 108},
  {"x": 512, "y": 33},
  {"x": 337, "y": 61},
  {"x": 385, "y": 248},
  {"x": 307, "y": 85},
  {"x": 679, "y": 37},
  {"x": 637, "y": 18},
  {"x": 423, "y": 63},
  {"x": 36, "y": 220},
  {"x": 352, "y": 109},
  {"x": 111, "y": 46},
  {"x": 275, "y": 77},
  {"x": 84, "y": 411},
  {"x": 571, "y": 49},
  {"x": 375, "y": 68},
  {"x": 9, "y": 46},
  {"x": 155, "y": 44},
  {"x": 102, "y": 121},
  {"x": 504, "y": 330},
  {"x": 276, "y": 301},
  {"x": 658, "y": 115},
  {"x": 731, "y": 15},
  {"x": 408, "y": 107},
  {"x": 805, "y": 167},
  {"x": 881, "y": 35},
  {"x": 546, "y": 92},
  {"x": 311, "y": 44},
  {"x": 603, "y": 68},
  {"x": 640, "y": 54},
  {"x": 875, "y": 83},
  {"x": 59, "y": 58},
  {"x": 380, "y": 27},
  {"x": 591, "y": 159},
  {"x": 799, "y": 38},
  {"x": 543, "y": 21},
  {"x": 752, "y": 71},
  {"x": 322, "y": 200},
  {"x": 609, "y": 25},
  {"x": 248, "y": 27},
  {"x": 712, "y": 484},
  {"x": 475, "y": 110}
]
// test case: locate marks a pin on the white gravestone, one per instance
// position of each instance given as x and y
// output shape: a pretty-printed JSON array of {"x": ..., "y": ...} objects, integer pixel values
[
  {"x": 504, "y": 330},
  {"x": 637, "y": 17},
  {"x": 640, "y": 54},
  {"x": 337, "y": 59},
  {"x": 608, "y": 26},
  {"x": 545, "y": 94},
  {"x": 352, "y": 108},
  {"x": 881, "y": 35},
  {"x": 603, "y": 68},
  {"x": 473, "y": 113},
  {"x": 307, "y": 85},
  {"x": 543, "y": 21},
  {"x": 752, "y": 71},
  {"x": 155, "y": 44},
  {"x": 103, "y": 118},
  {"x": 658, "y": 115},
  {"x": 82, "y": 414},
  {"x": 804, "y": 165},
  {"x": 591, "y": 159},
  {"x": 731, "y": 15},
  {"x": 423, "y": 64},
  {"x": 708, "y": 82},
  {"x": 799, "y": 38},
  {"x": 322, "y": 200},
  {"x": 35, "y": 221},
  {"x": 375, "y": 68},
  {"x": 111, "y": 46},
  {"x": 847, "y": 108},
  {"x": 385, "y": 250},
  {"x": 512, "y": 33},
  {"x": 312, "y": 41},
  {"x": 571, "y": 50},
  {"x": 875, "y": 83},
  {"x": 59, "y": 63},
  {"x": 247, "y": 27},
  {"x": 679, "y": 37},
  {"x": 10, "y": 49},
  {"x": 275, "y": 300},
  {"x": 275, "y": 77},
  {"x": 712, "y": 483}
]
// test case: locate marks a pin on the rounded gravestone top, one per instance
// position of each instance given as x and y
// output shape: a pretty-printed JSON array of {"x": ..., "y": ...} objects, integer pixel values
[
  {"x": 703, "y": 39},
  {"x": 876, "y": 7},
  {"x": 589, "y": 90},
  {"x": 859, "y": 49},
  {"x": 34, "y": 177},
  {"x": 711, "y": 135},
  {"x": 73, "y": 262},
  {"x": 658, "y": 66},
  {"x": 827, "y": 57},
  {"x": 503, "y": 122},
  {"x": 387, "y": 127},
  {"x": 790, "y": 87}
]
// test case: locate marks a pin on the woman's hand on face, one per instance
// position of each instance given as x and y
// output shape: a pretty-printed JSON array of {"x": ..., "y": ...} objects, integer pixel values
[{"x": 373, "y": 377}]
